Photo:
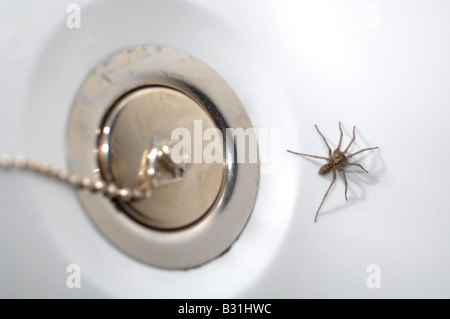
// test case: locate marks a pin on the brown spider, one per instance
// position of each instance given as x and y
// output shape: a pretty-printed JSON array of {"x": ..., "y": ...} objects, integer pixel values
[{"x": 336, "y": 161}]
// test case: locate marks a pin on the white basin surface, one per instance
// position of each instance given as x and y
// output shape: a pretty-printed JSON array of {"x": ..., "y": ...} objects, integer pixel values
[{"x": 379, "y": 65}]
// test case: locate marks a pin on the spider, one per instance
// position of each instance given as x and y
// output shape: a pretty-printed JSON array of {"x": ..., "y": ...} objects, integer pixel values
[{"x": 336, "y": 161}]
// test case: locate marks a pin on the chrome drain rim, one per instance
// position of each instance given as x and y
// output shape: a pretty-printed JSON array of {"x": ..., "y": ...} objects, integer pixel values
[{"x": 214, "y": 234}]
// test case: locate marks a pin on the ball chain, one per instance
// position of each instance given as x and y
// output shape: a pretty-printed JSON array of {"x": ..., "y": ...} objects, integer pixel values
[{"x": 110, "y": 190}]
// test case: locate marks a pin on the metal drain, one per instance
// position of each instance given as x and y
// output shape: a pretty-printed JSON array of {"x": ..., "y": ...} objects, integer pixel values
[
  {"x": 153, "y": 96},
  {"x": 155, "y": 112}
]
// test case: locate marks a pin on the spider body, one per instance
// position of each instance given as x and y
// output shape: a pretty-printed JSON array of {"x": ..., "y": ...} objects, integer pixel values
[{"x": 336, "y": 161}]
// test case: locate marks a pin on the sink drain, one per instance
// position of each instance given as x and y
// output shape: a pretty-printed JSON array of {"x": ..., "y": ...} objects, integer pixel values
[
  {"x": 150, "y": 115},
  {"x": 157, "y": 117}
]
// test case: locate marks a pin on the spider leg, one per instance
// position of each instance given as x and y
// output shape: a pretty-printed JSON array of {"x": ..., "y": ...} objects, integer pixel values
[
  {"x": 340, "y": 138},
  {"x": 366, "y": 149},
  {"x": 345, "y": 182},
  {"x": 351, "y": 142},
  {"x": 356, "y": 164},
  {"x": 324, "y": 196},
  {"x": 326, "y": 143},
  {"x": 325, "y": 158}
]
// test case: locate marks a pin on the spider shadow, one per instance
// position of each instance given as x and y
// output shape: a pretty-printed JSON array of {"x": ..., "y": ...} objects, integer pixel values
[
  {"x": 356, "y": 190},
  {"x": 357, "y": 180}
]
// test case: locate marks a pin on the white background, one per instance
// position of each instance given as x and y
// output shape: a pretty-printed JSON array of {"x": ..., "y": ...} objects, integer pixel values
[{"x": 380, "y": 65}]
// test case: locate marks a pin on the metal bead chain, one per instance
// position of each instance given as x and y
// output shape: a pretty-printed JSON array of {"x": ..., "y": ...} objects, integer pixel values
[{"x": 111, "y": 191}]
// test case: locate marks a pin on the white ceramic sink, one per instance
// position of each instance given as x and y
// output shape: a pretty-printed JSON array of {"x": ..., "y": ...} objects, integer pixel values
[{"x": 382, "y": 66}]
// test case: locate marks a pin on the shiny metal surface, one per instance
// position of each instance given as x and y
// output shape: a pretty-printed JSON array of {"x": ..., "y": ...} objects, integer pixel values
[
  {"x": 208, "y": 210},
  {"x": 150, "y": 115}
]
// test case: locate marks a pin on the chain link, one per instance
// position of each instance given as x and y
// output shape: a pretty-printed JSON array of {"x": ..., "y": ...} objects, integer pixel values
[{"x": 109, "y": 190}]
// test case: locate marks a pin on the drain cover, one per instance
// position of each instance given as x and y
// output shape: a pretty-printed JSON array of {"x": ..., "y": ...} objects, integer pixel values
[
  {"x": 152, "y": 114},
  {"x": 202, "y": 194}
]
